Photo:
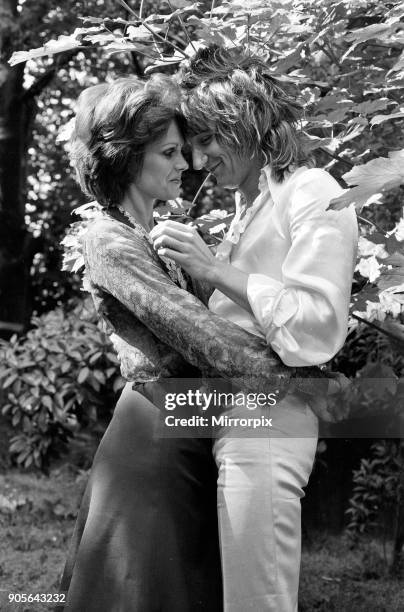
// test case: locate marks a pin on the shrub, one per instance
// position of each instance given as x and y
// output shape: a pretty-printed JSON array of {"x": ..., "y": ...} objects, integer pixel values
[
  {"x": 61, "y": 375},
  {"x": 378, "y": 496}
]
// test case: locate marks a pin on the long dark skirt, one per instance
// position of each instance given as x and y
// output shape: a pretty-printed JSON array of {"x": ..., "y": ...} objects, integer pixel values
[{"x": 146, "y": 535}]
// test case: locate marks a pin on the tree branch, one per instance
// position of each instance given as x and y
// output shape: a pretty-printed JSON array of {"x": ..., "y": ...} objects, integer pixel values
[
  {"x": 155, "y": 35},
  {"x": 136, "y": 64},
  {"x": 337, "y": 157},
  {"x": 183, "y": 27},
  {"x": 329, "y": 53},
  {"x": 379, "y": 329},
  {"x": 372, "y": 224}
]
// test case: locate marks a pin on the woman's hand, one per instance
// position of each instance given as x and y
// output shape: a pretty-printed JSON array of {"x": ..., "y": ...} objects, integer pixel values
[{"x": 183, "y": 244}]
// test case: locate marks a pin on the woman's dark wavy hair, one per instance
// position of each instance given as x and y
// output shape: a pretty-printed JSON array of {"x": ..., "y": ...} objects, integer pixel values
[
  {"x": 114, "y": 123},
  {"x": 232, "y": 94}
]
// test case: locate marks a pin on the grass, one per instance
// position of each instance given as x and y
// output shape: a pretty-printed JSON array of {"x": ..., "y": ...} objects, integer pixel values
[
  {"x": 37, "y": 518},
  {"x": 34, "y": 536},
  {"x": 338, "y": 576}
]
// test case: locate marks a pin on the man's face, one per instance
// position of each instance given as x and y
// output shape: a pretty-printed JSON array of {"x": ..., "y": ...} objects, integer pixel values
[{"x": 230, "y": 169}]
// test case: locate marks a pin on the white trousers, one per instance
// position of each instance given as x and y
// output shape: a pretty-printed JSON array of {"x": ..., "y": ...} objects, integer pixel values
[{"x": 259, "y": 491}]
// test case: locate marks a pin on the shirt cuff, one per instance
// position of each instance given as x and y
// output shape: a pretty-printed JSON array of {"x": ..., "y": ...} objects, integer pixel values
[{"x": 271, "y": 303}]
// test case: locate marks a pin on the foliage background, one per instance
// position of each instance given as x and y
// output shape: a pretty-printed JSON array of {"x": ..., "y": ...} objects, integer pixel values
[{"x": 58, "y": 376}]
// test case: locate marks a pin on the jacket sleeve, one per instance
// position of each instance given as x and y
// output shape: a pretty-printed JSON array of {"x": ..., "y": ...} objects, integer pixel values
[{"x": 305, "y": 315}]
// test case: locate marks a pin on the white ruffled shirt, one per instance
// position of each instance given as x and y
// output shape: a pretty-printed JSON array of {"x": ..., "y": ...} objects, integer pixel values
[{"x": 300, "y": 260}]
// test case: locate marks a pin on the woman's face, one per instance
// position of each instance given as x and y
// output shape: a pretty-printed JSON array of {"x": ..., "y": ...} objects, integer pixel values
[
  {"x": 163, "y": 165},
  {"x": 230, "y": 169}
]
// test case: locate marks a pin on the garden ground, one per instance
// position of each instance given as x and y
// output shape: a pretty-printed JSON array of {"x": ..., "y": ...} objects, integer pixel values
[{"x": 37, "y": 517}]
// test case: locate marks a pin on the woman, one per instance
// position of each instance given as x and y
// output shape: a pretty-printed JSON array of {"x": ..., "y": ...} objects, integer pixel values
[
  {"x": 283, "y": 273},
  {"x": 146, "y": 535}
]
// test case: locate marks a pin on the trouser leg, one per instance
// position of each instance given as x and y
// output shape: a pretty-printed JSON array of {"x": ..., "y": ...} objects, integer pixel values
[{"x": 259, "y": 490}]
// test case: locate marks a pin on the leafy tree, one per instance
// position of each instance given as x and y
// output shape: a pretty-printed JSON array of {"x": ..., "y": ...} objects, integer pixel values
[
  {"x": 347, "y": 59},
  {"x": 377, "y": 501},
  {"x": 37, "y": 190}
]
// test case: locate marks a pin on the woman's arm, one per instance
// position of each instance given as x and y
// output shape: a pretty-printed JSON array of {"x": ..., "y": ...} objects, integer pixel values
[{"x": 124, "y": 265}]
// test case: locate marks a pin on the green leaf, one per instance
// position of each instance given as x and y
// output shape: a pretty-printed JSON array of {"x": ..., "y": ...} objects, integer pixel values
[
  {"x": 9, "y": 381},
  {"x": 42, "y": 422},
  {"x": 391, "y": 244},
  {"x": 100, "y": 376},
  {"x": 26, "y": 424},
  {"x": 376, "y": 238},
  {"x": 359, "y": 301},
  {"x": 63, "y": 43},
  {"x": 47, "y": 402},
  {"x": 178, "y": 206},
  {"x": 122, "y": 45},
  {"x": 371, "y": 178},
  {"x": 95, "y": 20},
  {"x": 18, "y": 443},
  {"x": 180, "y": 4},
  {"x": 16, "y": 419},
  {"x": 209, "y": 224},
  {"x": 83, "y": 375},
  {"x": 26, "y": 364},
  {"x": 119, "y": 383},
  {"x": 113, "y": 358},
  {"x": 158, "y": 63},
  {"x": 28, "y": 461},
  {"x": 395, "y": 275},
  {"x": 95, "y": 357},
  {"x": 183, "y": 9},
  {"x": 140, "y": 33},
  {"x": 289, "y": 59},
  {"x": 371, "y": 106},
  {"x": 381, "y": 31},
  {"x": 95, "y": 384},
  {"x": 313, "y": 142},
  {"x": 65, "y": 367},
  {"x": 378, "y": 119},
  {"x": 399, "y": 65},
  {"x": 104, "y": 37}
]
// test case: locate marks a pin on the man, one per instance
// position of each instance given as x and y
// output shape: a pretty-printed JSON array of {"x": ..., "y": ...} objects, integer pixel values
[{"x": 284, "y": 273}]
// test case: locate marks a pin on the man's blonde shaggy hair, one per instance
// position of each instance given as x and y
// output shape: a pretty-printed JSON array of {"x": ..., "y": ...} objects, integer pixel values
[{"x": 233, "y": 95}]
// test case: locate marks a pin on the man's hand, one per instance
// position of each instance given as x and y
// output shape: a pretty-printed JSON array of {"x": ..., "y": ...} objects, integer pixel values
[{"x": 183, "y": 244}]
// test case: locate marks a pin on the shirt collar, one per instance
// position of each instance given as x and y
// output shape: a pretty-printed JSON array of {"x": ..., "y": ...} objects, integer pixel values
[
  {"x": 276, "y": 188},
  {"x": 270, "y": 190},
  {"x": 263, "y": 195}
]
